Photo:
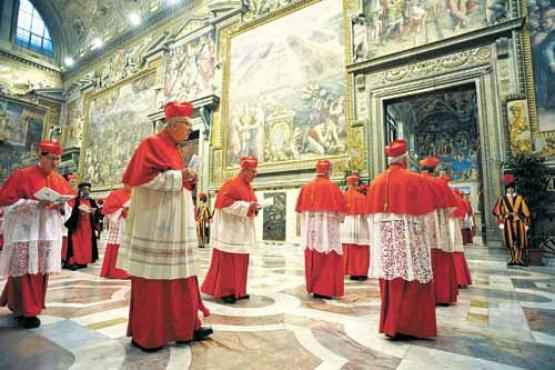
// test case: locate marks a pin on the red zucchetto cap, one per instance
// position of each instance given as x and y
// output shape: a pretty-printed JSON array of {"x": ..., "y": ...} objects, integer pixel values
[
  {"x": 429, "y": 162},
  {"x": 396, "y": 148},
  {"x": 323, "y": 166},
  {"x": 175, "y": 109},
  {"x": 52, "y": 147},
  {"x": 353, "y": 179},
  {"x": 508, "y": 179},
  {"x": 248, "y": 162}
]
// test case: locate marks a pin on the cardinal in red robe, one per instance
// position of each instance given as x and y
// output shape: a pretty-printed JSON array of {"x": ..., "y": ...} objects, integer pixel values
[
  {"x": 443, "y": 263},
  {"x": 115, "y": 209},
  {"x": 82, "y": 248},
  {"x": 354, "y": 232},
  {"x": 159, "y": 241},
  {"x": 464, "y": 278},
  {"x": 233, "y": 236},
  {"x": 322, "y": 209},
  {"x": 398, "y": 202},
  {"x": 33, "y": 234}
]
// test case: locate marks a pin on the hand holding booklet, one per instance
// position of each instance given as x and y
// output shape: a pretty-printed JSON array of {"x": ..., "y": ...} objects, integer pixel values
[
  {"x": 268, "y": 202},
  {"x": 194, "y": 163},
  {"x": 53, "y": 196}
]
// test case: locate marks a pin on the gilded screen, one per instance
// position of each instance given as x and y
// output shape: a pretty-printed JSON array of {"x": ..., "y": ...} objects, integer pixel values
[
  {"x": 286, "y": 87},
  {"x": 117, "y": 122}
]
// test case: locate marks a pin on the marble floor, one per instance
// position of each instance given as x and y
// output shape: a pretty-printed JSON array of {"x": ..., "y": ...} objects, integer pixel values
[{"x": 506, "y": 320}]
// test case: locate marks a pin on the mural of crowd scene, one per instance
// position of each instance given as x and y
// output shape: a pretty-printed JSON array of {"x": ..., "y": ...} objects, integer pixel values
[
  {"x": 190, "y": 69},
  {"x": 274, "y": 217},
  {"x": 73, "y": 125},
  {"x": 117, "y": 122},
  {"x": 20, "y": 133},
  {"x": 389, "y": 26},
  {"x": 541, "y": 24},
  {"x": 287, "y": 86},
  {"x": 443, "y": 124}
]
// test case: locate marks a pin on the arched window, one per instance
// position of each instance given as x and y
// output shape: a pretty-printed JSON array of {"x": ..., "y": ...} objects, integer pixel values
[{"x": 32, "y": 32}]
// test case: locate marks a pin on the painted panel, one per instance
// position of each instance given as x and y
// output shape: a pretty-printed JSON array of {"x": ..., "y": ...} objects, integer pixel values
[
  {"x": 20, "y": 132},
  {"x": 285, "y": 87},
  {"x": 117, "y": 121},
  {"x": 541, "y": 25},
  {"x": 189, "y": 70},
  {"x": 274, "y": 217},
  {"x": 390, "y": 26}
]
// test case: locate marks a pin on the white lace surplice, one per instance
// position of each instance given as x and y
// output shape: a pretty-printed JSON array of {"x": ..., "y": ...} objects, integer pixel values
[
  {"x": 354, "y": 230},
  {"x": 455, "y": 235},
  {"x": 436, "y": 224},
  {"x": 399, "y": 247},
  {"x": 160, "y": 238},
  {"x": 321, "y": 231},
  {"x": 115, "y": 227},
  {"x": 232, "y": 231},
  {"x": 32, "y": 239}
]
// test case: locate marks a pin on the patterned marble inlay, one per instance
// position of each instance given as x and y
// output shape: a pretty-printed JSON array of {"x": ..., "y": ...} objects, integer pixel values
[{"x": 505, "y": 320}]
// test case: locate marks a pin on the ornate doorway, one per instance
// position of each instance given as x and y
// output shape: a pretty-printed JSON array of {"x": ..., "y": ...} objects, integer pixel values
[{"x": 443, "y": 123}]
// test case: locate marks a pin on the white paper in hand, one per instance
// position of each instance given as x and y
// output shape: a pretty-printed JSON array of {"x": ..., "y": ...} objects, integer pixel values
[
  {"x": 194, "y": 163},
  {"x": 53, "y": 196},
  {"x": 268, "y": 202}
]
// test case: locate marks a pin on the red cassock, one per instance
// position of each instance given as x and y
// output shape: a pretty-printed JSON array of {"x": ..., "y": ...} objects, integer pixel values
[
  {"x": 228, "y": 271},
  {"x": 468, "y": 227},
  {"x": 398, "y": 201},
  {"x": 25, "y": 295},
  {"x": 354, "y": 239},
  {"x": 443, "y": 260},
  {"x": 464, "y": 279},
  {"x": 160, "y": 310},
  {"x": 113, "y": 209},
  {"x": 82, "y": 236},
  {"x": 322, "y": 207}
]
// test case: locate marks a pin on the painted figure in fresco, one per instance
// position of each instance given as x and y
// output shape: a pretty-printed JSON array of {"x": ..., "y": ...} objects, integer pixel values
[
  {"x": 360, "y": 39},
  {"x": 513, "y": 218},
  {"x": 520, "y": 136},
  {"x": 542, "y": 31}
]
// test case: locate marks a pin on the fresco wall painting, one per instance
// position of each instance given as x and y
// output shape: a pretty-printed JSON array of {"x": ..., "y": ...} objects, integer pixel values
[
  {"x": 284, "y": 88},
  {"x": 116, "y": 122},
  {"x": 21, "y": 128}
]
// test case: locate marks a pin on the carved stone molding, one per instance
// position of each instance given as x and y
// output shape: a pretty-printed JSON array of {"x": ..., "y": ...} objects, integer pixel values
[{"x": 452, "y": 62}]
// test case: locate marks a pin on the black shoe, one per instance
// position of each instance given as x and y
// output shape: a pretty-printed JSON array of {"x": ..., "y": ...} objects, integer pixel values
[
  {"x": 81, "y": 266},
  {"x": 246, "y": 296},
  {"x": 148, "y": 350},
  {"x": 202, "y": 334},
  {"x": 30, "y": 322},
  {"x": 353, "y": 277},
  {"x": 71, "y": 267},
  {"x": 510, "y": 263},
  {"x": 322, "y": 296},
  {"x": 229, "y": 299}
]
